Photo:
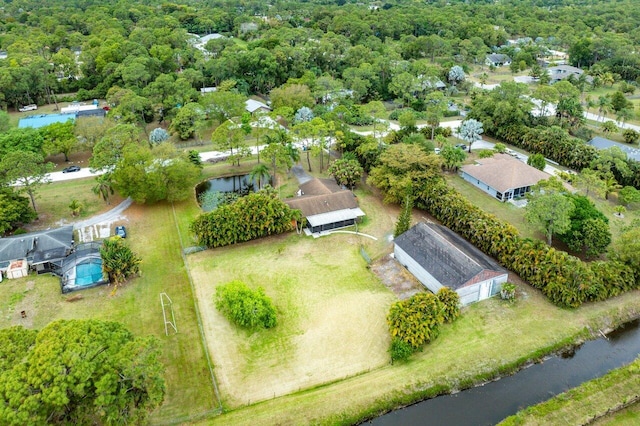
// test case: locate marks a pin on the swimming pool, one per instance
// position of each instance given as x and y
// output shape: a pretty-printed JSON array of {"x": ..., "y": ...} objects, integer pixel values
[{"x": 88, "y": 273}]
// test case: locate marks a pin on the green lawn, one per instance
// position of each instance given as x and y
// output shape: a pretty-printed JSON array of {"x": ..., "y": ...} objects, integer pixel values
[
  {"x": 53, "y": 202},
  {"x": 326, "y": 297},
  {"x": 330, "y": 309},
  {"x": 152, "y": 234}
]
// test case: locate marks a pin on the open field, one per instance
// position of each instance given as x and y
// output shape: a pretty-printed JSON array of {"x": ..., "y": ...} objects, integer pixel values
[
  {"x": 332, "y": 312},
  {"x": 491, "y": 336},
  {"x": 331, "y": 315}
]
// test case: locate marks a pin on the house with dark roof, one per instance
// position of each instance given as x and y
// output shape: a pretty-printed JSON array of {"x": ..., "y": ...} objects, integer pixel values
[
  {"x": 438, "y": 257},
  {"x": 325, "y": 205},
  {"x": 497, "y": 60},
  {"x": 599, "y": 143},
  {"x": 502, "y": 176},
  {"x": 43, "y": 251}
]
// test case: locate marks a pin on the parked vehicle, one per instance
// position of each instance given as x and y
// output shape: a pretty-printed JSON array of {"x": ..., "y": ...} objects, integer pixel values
[
  {"x": 121, "y": 231},
  {"x": 71, "y": 169},
  {"x": 30, "y": 107},
  {"x": 461, "y": 146}
]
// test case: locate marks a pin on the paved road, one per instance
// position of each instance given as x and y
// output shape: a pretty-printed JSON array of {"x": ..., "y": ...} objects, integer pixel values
[{"x": 594, "y": 117}]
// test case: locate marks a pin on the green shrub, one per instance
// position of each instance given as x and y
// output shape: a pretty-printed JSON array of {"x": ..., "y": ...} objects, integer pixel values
[
  {"x": 255, "y": 216},
  {"x": 450, "y": 304},
  {"x": 508, "y": 292},
  {"x": 245, "y": 307},
  {"x": 400, "y": 350},
  {"x": 416, "y": 321}
]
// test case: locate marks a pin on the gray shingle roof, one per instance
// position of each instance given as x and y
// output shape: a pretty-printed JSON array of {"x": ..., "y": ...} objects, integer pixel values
[
  {"x": 448, "y": 257},
  {"x": 322, "y": 196},
  {"x": 38, "y": 246},
  {"x": 602, "y": 143}
]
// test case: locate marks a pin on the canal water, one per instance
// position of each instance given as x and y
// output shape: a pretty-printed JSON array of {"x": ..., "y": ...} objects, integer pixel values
[{"x": 494, "y": 401}]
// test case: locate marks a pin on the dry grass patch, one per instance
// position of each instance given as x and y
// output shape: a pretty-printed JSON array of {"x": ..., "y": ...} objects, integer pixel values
[{"x": 331, "y": 315}]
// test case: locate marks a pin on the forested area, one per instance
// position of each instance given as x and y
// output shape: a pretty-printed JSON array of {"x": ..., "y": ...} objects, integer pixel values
[{"x": 373, "y": 50}]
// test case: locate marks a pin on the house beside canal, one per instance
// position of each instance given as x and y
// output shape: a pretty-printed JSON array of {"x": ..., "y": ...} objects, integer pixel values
[{"x": 438, "y": 257}]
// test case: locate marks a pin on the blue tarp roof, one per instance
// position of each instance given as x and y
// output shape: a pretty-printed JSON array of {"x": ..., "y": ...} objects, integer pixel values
[
  {"x": 602, "y": 143},
  {"x": 37, "y": 121}
]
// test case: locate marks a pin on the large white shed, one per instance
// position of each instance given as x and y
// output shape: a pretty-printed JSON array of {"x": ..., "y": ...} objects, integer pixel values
[{"x": 438, "y": 257}]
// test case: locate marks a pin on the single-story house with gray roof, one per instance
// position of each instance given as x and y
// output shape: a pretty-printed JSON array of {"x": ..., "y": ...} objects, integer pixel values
[
  {"x": 497, "y": 60},
  {"x": 502, "y": 176},
  {"x": 602, "y": 143},
  {"x": 43, "y": 250},
  {"x": 562, "y": 72},
  {"x": 438, "y": 257},
  {"x": 251, "y": 105},
  {"x": 325, "y": 205}
]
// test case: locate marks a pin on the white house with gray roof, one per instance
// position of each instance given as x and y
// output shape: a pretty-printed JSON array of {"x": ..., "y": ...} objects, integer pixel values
[{"x": 438, "y": 257}]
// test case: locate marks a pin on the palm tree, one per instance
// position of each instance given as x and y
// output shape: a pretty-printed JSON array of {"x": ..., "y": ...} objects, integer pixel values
[
  {"x": 104, "y": 187},
  {"x": 260, "y": 173},
  {"x": 604, "y": 106}
]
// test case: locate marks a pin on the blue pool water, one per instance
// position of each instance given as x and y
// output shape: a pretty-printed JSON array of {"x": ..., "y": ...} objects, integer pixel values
[{"x": 88, "y": 273}]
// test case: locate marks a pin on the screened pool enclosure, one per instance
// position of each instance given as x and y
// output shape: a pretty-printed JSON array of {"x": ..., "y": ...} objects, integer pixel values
[{"x": 82, "y": 269}]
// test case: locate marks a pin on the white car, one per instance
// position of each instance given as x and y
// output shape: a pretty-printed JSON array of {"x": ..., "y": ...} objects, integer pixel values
[{"x": 30, "y": 107}]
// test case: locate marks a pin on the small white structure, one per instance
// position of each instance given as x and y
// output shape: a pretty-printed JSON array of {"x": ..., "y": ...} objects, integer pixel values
[
  {"x": 205, "y": 90},
  {"x": 438, "y": 257},
  {"x": 77, "y": 107},
  {"x": 251, "y": 105},
  {"x": 18, "y": 269}
]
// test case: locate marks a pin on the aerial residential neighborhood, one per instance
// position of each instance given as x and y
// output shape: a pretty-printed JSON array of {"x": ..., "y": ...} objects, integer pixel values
[{"x": 246, "y": 212}]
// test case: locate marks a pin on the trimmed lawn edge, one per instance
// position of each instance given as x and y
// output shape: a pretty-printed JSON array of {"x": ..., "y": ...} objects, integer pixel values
[
  {"x": 203, "y": 339},
  {"x": 400, "y": 397}
]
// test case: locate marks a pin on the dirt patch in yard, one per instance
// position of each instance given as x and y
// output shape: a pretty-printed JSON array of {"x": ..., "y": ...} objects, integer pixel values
[{"x": 396, "y": 277}]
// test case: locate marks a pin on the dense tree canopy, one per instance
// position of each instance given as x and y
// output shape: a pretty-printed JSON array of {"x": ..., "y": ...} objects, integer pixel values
[{"x": 78, "y": 372}]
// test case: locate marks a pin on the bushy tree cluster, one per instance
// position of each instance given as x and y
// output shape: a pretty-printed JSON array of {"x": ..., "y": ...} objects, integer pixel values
[
  {"x": 245, "y": 307},
  {"x": 417, "y": 320},
  {"x": 119, "y": 262},
  {"x": 256, "y": 215},
  {"x": 78, "y": 372}
]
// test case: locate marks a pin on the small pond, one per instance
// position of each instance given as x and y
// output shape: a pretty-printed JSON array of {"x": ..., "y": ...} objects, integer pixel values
[{"x": 211, "y": 192}]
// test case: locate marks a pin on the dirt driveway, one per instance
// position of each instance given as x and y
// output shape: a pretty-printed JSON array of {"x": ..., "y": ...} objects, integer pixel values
[{"x": 395, "y": 277}]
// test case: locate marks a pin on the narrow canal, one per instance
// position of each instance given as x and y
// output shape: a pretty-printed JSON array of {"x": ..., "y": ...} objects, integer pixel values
[{"x": 494, "y": 401}]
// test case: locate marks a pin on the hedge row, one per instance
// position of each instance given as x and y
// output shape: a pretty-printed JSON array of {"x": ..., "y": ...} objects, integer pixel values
[
  {"x": 557, "y": 145},
  {"x": 564, "y": 279},
  {"x": 256, "y": 215}
]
